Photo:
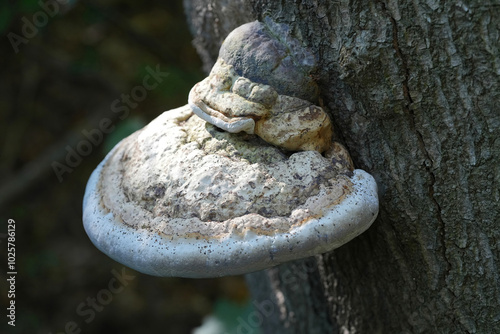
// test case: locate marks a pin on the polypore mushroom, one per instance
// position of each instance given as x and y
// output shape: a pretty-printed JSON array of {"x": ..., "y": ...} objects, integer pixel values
[
  {"x": 237, "y": 95},
  {"x": 236, "y": 104},
  {"x": 183, "y": 198},
  {"x": 180, "y": 198}
]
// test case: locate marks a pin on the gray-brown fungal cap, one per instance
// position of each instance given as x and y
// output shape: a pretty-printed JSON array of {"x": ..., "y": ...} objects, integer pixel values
[
  {"x": 269, "y": 53},
  {"x": 182, "y": 198},
  {"x": 262, "y": 84},
  {"x": 236, "y": 104}
]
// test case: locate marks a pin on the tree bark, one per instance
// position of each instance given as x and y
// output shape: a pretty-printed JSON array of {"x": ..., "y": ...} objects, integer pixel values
[{"x": 413, "y": 89}]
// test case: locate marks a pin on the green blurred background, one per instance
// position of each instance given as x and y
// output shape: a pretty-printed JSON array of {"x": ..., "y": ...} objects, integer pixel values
[{"x": 62, "y": 68}]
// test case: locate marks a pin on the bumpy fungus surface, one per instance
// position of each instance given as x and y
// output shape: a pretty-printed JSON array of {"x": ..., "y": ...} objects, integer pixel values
[
  {"x": 262, "y": 84},
  {"x": 236, "y": 104},
  {"x": 182, "y": 198}
]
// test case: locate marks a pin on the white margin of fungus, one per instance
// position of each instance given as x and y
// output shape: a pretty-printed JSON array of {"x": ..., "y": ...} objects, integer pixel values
[
  {"x": 150, "y": 253},
  {"x": 232, "y": 125}
]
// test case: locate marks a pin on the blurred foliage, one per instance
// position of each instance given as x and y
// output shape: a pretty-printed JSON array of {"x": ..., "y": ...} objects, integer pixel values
[
  {"x": 63, "y": 80},
  {"x": 230, "y": 317},
  {"x": 122, "y": 130},
  {"x": 5, "y": 17}
]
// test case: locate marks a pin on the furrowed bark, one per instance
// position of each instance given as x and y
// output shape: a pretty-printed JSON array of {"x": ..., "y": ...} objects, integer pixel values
[{"x": 413, "y": 89}]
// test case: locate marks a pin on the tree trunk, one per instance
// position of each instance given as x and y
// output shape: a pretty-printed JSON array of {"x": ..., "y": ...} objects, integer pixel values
[{"x": 413, "y": 89}]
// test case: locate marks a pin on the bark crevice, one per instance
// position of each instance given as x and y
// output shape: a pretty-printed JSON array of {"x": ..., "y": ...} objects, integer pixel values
[
  {"x": 428, "y": 162},
  {"x": 413, "y": 88}
]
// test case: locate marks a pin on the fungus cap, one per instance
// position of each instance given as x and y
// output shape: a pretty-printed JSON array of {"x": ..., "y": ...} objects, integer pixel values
[{"x": 182, "y": 198}]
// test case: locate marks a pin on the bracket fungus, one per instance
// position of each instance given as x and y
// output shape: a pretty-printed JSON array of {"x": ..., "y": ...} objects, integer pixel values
[
  {"x": 262, "y": 84},
  {"x": 204, "y": 196}
]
